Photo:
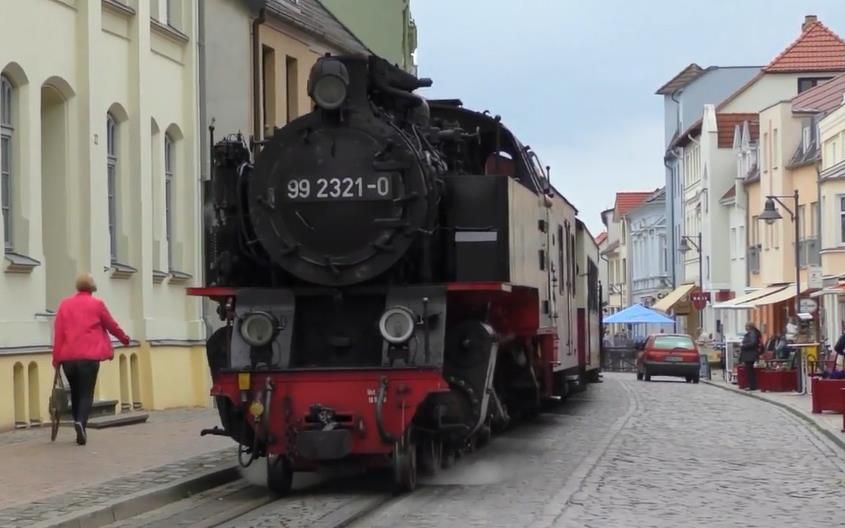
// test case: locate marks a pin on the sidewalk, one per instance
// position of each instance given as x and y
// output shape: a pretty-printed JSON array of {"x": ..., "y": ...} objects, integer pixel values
[
  {"x": 41, "y": 480},
  {"x": 798, "y": 404}
]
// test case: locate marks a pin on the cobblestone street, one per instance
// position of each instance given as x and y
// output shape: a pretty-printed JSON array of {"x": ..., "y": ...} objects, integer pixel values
[{"x": 636, "y": 455}]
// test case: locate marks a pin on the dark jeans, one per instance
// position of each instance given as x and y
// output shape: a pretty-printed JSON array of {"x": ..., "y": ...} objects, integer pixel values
[
  {"x": 82, "y": 377},
  {"x": 752, "y": 375}
]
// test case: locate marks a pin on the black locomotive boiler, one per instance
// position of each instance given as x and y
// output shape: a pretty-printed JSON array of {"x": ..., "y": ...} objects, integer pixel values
[{"x": 395, "y": 278}]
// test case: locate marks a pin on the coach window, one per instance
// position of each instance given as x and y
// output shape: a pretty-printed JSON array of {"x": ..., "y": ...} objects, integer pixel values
[{"x": 6, "y": 137}]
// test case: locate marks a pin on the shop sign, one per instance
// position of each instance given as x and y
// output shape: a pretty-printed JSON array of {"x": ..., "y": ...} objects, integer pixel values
[
  {"x": 808, "y": 306},
  {"x": 699, "y": 299},
  {"x": 815, "y": 277}
]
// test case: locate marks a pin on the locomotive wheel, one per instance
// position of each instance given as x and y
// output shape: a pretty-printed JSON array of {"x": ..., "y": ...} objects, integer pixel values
[
  {"x": 405, "y": 468},
  {"x": 279, "y": 474},
  {"x": 431, "y": 456}
]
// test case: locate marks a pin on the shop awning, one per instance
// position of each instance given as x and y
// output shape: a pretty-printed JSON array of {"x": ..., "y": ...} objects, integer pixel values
[
  {"x": 788, "y": 292},
  {"x": 833, "y": 290},
  {"x": 665, "y": 304},
  {"x": 741, "y": 302}
]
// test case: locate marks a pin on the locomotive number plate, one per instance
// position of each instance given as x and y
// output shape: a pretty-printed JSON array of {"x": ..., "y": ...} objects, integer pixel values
[{"x": 374, "y": 187}]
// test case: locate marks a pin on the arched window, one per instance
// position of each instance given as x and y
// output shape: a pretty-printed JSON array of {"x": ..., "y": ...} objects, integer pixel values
[
  {"x": 168, "y": 197},
  {"x": 111, "y": 161},
  {"x": 6, "y": 137}
]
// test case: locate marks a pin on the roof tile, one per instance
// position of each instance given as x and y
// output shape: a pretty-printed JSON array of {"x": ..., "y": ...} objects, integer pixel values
[
  {"x": 818, "y": 49},
  {"x": 822, "y": 98},
  {"x": 686, "y": 76},
  {"x": 601, "y": 237},
  {"x": 313, "y": 17},
  {"x": 628, "y": 201},
  {"x": 727, "y": 123}
]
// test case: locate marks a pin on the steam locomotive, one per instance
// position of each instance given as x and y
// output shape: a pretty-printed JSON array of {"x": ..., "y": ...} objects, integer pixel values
[{"x": 396, "y": 279}]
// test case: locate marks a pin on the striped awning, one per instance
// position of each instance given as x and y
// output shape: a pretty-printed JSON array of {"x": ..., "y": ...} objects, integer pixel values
[
  {"x": 665, "y": 304},
  {"x": 741, "y": 302},
  {"x": 784, "y": 295}
]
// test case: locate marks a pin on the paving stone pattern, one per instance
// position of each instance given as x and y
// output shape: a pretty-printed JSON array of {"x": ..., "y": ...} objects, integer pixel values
[
  {"x": 634, "y": 454},
  {"x": 58, "y": 506},
  {"x": 510, "y": 482},
  {"x": 698, "y": 456}
]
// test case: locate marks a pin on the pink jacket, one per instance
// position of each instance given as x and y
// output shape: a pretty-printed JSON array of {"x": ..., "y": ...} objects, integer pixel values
[{"x": 81, "y": 330}]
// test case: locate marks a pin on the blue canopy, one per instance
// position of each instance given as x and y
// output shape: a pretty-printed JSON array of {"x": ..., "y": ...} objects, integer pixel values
[{"x": 637, "y": 313}]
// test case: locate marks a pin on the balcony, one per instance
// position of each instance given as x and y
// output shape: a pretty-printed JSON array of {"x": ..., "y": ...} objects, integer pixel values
[
  {"x": 808, "y": 252},
  {"x": 753, "y": 255}
]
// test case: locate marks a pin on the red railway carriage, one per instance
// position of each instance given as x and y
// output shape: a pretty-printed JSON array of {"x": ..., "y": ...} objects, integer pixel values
[{"x": 395, "y": 279}]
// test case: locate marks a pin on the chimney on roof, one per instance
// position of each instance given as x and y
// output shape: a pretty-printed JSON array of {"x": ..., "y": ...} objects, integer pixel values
[{"x": 809, "y": 20}]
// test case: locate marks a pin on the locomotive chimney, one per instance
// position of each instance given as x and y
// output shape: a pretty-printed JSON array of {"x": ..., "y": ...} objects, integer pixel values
[{"x": 809, "y": 20}]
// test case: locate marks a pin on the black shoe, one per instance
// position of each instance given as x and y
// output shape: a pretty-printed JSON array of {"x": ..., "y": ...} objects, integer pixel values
[{"x": 81, "y": 437}]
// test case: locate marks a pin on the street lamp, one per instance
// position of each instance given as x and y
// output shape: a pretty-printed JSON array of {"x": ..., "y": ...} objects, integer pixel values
[
  {"x": 684, "y": 246},
  {"x": 770, "y": 214}
]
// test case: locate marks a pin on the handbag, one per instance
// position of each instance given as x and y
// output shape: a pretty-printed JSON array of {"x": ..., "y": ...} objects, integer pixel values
[{"x": 59, "y": 402}]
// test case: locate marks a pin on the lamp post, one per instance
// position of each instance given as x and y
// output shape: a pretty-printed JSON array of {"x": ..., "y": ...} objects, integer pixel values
[
  {"x": 684, "y": 247},
  {"x": 696, "y": 243},
  {"x": 770, "y": 214}
]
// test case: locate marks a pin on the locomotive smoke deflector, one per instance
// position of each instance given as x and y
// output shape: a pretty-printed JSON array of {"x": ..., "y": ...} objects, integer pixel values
[{"x": 328, "y": 83}]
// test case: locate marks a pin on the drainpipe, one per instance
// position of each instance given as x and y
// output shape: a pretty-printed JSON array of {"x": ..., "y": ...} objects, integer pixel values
[
  {"x": 673, "y": 246},
  {"x": 256, "y": 75},
  {"x": 203, "y": 98}
]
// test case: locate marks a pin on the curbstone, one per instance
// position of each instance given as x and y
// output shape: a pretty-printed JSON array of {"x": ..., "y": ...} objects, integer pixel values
[
  {"x": 143, "y": 501},
  {"x": 840, "y": 442}
]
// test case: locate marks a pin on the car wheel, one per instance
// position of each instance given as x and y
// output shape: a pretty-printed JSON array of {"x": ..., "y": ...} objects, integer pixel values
[
  {"x": 647, "y": 376},
  {"x": 639, "y": 376}
]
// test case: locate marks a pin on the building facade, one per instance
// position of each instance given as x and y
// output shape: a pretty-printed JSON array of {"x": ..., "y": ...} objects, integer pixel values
[
  {"x": 648, "y": 251},
  {"x": 813, "y": 58},
  {"x": 99, "y": 147},
  {"x": 617, "y": 254},
  {"x": 384, "y": 26},
  {"x": 684, "y": 97},
  {"x": 832, "y": 205}
]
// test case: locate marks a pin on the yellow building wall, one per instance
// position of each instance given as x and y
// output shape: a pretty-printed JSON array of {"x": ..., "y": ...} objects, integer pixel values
[
  {"x": 151, "y": 378},
  {"x": 281, "y": 71}
]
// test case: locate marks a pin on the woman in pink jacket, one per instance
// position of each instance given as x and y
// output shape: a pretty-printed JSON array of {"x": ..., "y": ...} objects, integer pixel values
[{"x": 80, "y": 342}]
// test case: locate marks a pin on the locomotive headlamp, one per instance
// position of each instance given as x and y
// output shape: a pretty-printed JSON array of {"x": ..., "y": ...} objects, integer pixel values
[
  {"x": 258, "y": 328},
  {"x": 328, "y": 83},
  {"x": 397, "y": 325}
]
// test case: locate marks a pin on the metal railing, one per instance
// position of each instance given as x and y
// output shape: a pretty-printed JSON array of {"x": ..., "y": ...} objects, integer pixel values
[{"x": 619, "y": 359}]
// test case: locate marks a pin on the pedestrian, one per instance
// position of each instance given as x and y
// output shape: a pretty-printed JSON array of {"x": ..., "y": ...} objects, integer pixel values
[
  {"x": 80, "y": 342},
  {"x": 749, "y": 352}
]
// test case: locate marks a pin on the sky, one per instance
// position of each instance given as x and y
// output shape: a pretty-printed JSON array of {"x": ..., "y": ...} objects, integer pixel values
[{"x": 575, "y": 79}]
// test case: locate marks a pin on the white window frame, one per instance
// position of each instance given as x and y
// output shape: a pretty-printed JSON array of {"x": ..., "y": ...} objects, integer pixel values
[
  {"x": 7, "y": 133},
  {"x": 168, "y": 198},
  {"x": 841, "y": 208},
  {"x": 111, "y": 182}
]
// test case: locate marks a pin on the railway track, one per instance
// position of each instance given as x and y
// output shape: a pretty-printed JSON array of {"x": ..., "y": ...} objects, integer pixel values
[{"x": 317, "y": 501}]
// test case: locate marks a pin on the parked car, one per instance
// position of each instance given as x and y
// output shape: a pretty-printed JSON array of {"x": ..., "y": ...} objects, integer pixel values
[{"x": 668, "y": 355}]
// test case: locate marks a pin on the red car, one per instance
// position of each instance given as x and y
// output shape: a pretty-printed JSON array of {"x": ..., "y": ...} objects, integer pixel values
[{"x": 668, "y": 355}]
